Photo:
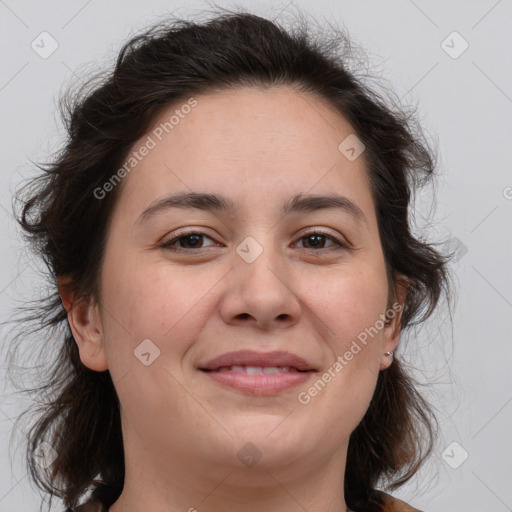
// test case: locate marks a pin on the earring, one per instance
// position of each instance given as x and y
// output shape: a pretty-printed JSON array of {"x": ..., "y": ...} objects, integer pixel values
[{"x": 389, "y": 353}]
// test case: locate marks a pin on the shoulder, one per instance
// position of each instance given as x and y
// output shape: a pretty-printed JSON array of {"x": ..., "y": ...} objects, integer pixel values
[{"x": 395, "y": 505}]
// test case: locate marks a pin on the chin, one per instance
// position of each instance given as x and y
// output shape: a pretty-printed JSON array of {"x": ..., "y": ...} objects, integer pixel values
[{"x": 272, "y": 442}]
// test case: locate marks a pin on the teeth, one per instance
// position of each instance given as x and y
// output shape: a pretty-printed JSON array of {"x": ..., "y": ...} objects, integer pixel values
[{"x": 256, "y": 370}]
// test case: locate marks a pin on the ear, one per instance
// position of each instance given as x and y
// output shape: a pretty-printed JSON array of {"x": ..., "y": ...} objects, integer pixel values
[
  {"x": 392, "y": 329},
  {"x": 84, "y": 321}
]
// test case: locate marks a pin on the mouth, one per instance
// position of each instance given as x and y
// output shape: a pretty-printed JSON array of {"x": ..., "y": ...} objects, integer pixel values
[
  {"x": 261, "y": 374},
  {"x": 257, "y": 370},
  {"x": 260, "y": 381},
  {"x": 243, "y": 359}
]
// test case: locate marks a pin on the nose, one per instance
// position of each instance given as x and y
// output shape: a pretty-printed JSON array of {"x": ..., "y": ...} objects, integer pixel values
[{"x": 260, "y": 293}]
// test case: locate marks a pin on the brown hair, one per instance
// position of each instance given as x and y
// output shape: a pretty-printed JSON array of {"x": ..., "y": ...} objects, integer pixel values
[{"x": 79, "y": 414}]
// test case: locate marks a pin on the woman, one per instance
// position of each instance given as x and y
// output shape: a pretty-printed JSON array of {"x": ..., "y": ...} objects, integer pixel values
[{"x": 227, "y": 235}]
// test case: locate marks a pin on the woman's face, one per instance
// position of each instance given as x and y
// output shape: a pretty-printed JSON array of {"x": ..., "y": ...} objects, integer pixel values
[{"x": 250, "y": 276}]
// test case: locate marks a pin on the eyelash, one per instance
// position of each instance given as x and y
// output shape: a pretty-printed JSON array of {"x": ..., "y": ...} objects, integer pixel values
[{"x": 170, "y": 244}]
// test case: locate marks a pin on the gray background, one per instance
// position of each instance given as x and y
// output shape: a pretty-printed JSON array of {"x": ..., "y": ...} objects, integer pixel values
[{"x": 465, "y": 102}]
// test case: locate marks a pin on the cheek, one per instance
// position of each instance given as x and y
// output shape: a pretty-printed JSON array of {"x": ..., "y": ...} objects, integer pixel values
[
  {"x": 346, "y": 303},
  {"x": 346, "y": 312},
  {"x": 146, "y": 304},
  {"x": 167, "y": 305}
]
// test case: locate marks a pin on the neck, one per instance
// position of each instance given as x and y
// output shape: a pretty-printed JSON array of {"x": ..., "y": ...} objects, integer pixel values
[{"x": 178, "y": 483}]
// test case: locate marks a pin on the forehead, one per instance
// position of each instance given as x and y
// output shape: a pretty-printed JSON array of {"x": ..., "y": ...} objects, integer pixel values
[
  {"x": 248, "y": 122},
  {"x": 244, "y": 142}
]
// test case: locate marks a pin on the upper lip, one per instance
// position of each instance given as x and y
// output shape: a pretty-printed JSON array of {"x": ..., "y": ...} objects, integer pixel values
[{"x": 261, "y": 359}]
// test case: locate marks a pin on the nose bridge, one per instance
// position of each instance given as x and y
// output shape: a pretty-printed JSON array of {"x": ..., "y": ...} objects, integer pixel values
[
  {"x": 258, "y": 286},
  {"x": 259, "y": 263}
]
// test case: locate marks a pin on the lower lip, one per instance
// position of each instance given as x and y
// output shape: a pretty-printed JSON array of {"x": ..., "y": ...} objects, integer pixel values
[{"x": 261, "y": 385}]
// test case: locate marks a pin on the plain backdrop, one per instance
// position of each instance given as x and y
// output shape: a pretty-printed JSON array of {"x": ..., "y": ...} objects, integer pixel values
[{"x": 452, "y": 59}]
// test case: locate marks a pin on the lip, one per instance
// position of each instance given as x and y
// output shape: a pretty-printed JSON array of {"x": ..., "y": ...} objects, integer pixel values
[
  {"x": 262, "y": 385},
  {"x": 253, "y": 358}
]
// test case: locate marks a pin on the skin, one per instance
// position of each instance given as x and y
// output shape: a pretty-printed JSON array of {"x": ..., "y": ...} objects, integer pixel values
[{"x": 181, "y": 430}]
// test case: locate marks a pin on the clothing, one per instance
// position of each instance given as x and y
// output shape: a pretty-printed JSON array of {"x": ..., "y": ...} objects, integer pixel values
[{"x": 391, "y": 505}]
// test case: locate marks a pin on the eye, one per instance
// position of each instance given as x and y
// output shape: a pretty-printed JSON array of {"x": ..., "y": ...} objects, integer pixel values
[
  {"x": 186, "y": 241},
  {"x": 193, "y": 241},
  {"x": 315, "y": 240}
]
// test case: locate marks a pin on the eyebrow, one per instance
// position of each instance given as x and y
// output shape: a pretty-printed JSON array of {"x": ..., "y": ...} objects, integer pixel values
[{"x": 218, "y": 203}]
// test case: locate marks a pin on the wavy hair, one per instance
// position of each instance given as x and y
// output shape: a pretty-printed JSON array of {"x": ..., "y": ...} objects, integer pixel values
[{"x": 78, "y": 413}]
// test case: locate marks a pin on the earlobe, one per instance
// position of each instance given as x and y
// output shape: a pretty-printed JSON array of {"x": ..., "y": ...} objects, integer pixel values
[
  {"x": 392, "y": 330},
  {"x": 85, "y": 324}
]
